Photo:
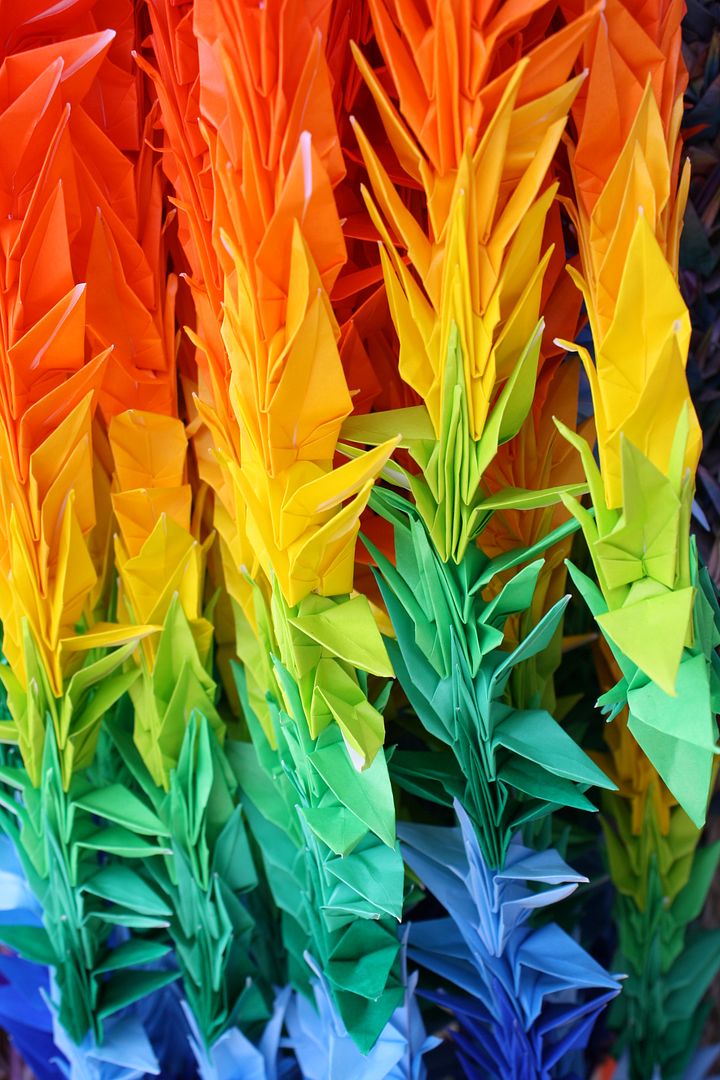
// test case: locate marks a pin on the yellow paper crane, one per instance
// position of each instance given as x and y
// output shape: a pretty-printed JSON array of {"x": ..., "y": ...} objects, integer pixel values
[
  {"x": 275, "y": 157},
  {"x": 51, "y": 371},
  {"x": 465, "y": 287},
  {"x": 629, "y": 247},
  {"x": 652, "y": 607},
  {"x": 161, "y": 565}
]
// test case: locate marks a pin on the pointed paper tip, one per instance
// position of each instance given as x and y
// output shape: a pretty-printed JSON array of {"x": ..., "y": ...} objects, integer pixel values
[{"x": 357, "y": 759}]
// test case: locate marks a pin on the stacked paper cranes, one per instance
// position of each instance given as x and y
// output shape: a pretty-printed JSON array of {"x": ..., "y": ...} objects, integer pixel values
[{"x": 348, "y": 591}]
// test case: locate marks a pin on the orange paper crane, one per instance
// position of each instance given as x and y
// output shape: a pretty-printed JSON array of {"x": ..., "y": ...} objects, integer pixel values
[
  {"x": 631, "y": 45},
  {"x": 174, "y": 70},
  {"x": 275, "y": 157},
  {"x": 116, "y": 213},
  {"x": 186, "y": 162},
  {"x": 49, "y": 379},
  {"x": 449, "y": 66},
  {"x": 130, "y": 295},
  {"x": 110, "y": 96},
  {"x": 628, "y": 212},
  {"x": 175, "y": 73},
  {"x": 478, "y": 135}
]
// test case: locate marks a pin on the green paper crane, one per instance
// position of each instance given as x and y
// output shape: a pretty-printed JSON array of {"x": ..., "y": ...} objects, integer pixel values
[
  {"x": 174, "y": 773},
  {"x": 165, "y": 697},
  {"x": 660, "y": 1015},
  {"x": 205, "y": 880},
  {"x": 678, "y": 732},
  {"x": 92, "y": 690},
  {"x": 658, "y": 613},
  {"x": 450, "y": 497},
  {"x": 320, "y": 805},
  {"x": 83, "y": 898},
  {"x": 515, "y": 765}
]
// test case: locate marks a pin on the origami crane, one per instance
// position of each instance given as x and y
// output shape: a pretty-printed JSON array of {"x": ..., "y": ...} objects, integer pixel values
[
  {"x": 53, "y": 363},
  {"x": 326, "y": 826},
  {"x": 450, "y": 661},
  {"x": 465, "y": 301},
  {"x": 300, "y": 422},
  {"x": 161, "y": 566},
  {"x": 278, "y": 239},
  {"x": 508, "y": 972}
]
